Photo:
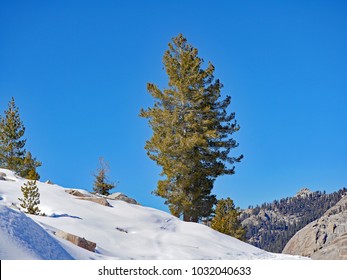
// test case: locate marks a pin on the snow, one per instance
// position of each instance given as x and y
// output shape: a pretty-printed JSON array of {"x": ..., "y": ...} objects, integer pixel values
[
  {"x": 18, "y": 241},
  {"x": 122, "y": 231}
]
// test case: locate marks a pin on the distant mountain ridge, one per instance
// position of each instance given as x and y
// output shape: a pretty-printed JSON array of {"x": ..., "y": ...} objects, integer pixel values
[{"x": 271, "y": 225}]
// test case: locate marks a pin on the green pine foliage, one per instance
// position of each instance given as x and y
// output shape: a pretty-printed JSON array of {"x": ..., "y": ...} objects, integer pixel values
[
  {"x": 29, "y": 167},
  {"x": 31, "y": 198},
  {"x": 12, "y": 143},
  {"x": 102, "y": 185},
  {"x": 192, "y": 131},
  {"x": 226, "y": 219},
  {"x": 13, "y": 155}
]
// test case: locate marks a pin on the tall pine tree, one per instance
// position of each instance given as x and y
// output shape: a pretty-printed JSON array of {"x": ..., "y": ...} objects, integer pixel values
[
  {"x": 12, "y": 144},
  {"x": 192, "y": 131},
  {"x": 13, "y": 155}
]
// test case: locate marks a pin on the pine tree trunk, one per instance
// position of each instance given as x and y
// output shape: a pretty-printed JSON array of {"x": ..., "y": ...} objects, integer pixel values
[
  {"x": 190, "y": 218},
  {"x": 186, "y": 217}
]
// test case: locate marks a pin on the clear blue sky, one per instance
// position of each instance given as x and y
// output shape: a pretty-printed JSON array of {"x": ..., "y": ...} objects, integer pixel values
[{"x": 78, "y": 71}]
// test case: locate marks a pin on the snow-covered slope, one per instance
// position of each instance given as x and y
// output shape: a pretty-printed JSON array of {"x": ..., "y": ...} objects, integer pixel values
[
  {"x": 122, "y": 231},
  {"x": 20, "y": 237}
]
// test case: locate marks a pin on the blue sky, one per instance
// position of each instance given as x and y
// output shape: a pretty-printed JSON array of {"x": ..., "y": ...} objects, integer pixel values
[{"x": 78, "y": 71}]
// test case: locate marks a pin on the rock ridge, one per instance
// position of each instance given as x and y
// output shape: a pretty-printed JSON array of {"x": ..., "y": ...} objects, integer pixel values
[{"x": 324, "y": 238}]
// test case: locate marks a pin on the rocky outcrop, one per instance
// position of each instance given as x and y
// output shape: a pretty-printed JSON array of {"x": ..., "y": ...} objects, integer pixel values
[
  {"x": 77, "y": 193},
  {"x": 270, "y": 226},
  {"x": 4, "y": 177},
  {"x": 100, "y": 200},
  {"x": 303, "y": 192},
  {"x": 49, "y": 182},
  {"x": 325, "y": 238},
  {"x": 89, "y": 197},
  {"x": 123, "y": 197},
  {"x": 79, "y": 241},
  {"x": 335, "y": 250}
]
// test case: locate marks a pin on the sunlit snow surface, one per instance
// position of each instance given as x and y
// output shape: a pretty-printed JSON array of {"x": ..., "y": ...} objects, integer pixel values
[{"x": 122, "y": 231}]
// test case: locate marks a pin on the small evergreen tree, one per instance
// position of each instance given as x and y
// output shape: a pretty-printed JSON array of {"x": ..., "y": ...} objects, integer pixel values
[
  {"x": 13, "y": 155},
  {"x": 102, "y": 185},
  {"x": 31, "y": 198},
  {"x": 29, "y": 167},
  {"x": 12, "y": 144},
  {"x": 226, "y": 219}
]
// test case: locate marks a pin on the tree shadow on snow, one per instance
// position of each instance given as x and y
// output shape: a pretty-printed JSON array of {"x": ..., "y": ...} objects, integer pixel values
[{"x": 64, "y": 215}]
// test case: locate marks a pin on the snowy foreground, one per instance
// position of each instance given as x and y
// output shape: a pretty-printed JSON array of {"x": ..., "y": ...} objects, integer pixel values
[{"x": 122, "y": 231}]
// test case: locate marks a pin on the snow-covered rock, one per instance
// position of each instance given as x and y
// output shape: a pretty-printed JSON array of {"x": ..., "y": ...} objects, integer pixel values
[
  {"x": 89, "y": 197},
  {"x": 122, "y": 197}
]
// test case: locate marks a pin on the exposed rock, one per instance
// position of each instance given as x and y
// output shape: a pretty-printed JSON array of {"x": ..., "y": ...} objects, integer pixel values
[
  {"x": 77, "y": 193},
  {"x": 123, "y": 197},
  {"x": 336, "y": 250},
  {"x": 2, "y": 176},
  {"x": 89, "y": 197},
  {"x": 102, "y": 199},
  {"x": 79, "y": 241},
  {"x": 99, "y": 200},
  {"x": 49, "y": 182},
  {"x": 270, "y": 226},
  {"x": 325, "y": 238},
  {"x": 303, "y": 192}
]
